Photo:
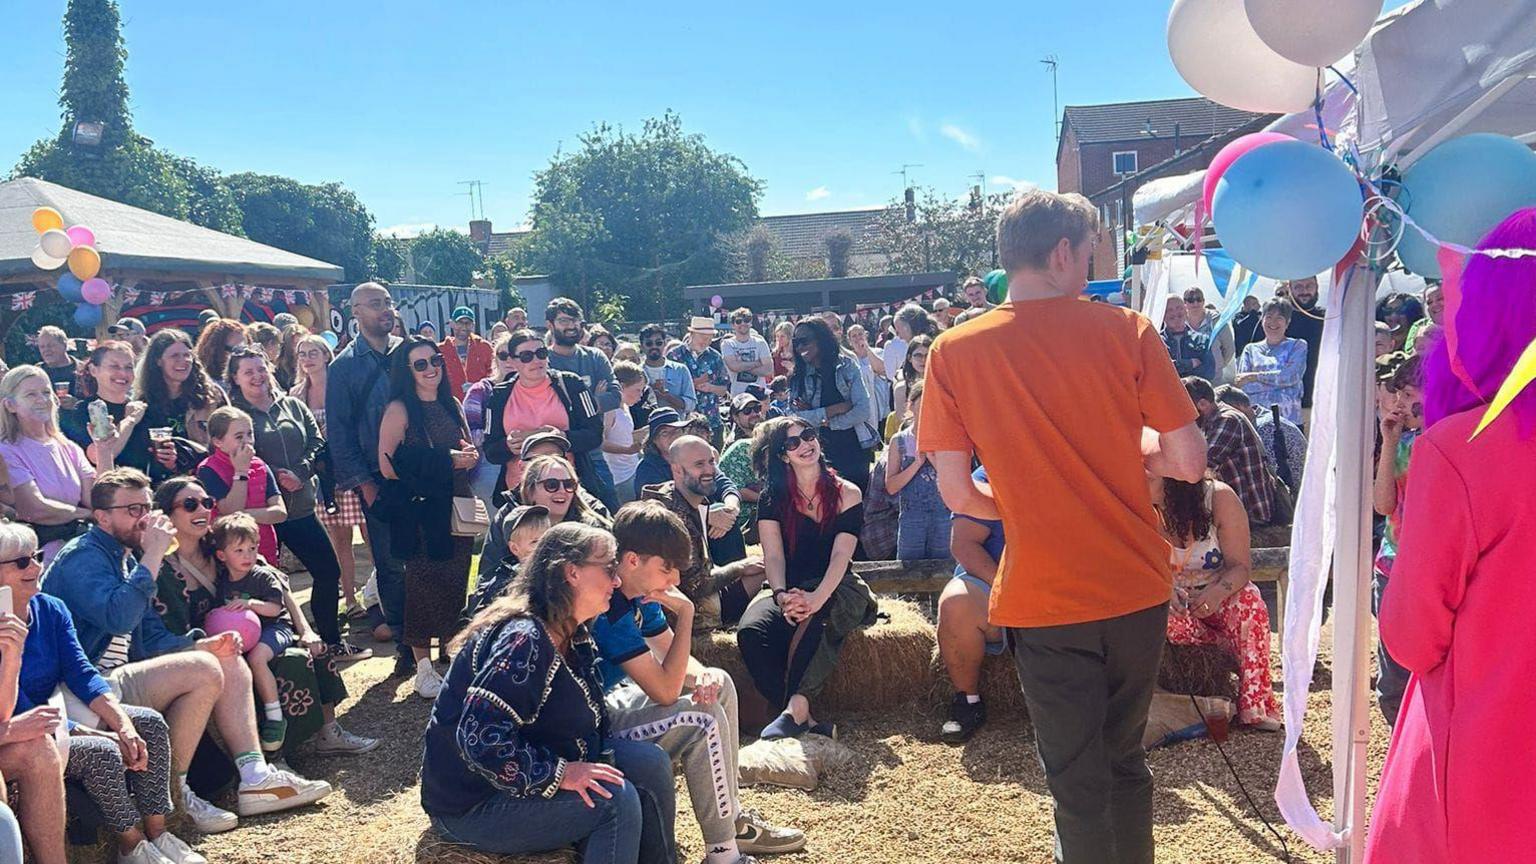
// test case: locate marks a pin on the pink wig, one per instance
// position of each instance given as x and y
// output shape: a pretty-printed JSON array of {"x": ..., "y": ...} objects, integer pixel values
[{"x": 1495, "y": 323}]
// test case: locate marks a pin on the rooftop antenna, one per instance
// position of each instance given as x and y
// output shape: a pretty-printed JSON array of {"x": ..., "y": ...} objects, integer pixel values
[
  {"x": 1052, "y": 62},
  {"x": 903, "y": 172},
  {"x": 981, "y": 180},
  {"x": 476, "y": 194}
]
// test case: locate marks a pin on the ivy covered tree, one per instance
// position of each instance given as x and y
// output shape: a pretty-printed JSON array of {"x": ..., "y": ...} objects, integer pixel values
[
  {"x": 948, "y": 234},
  {"x": 639, "y": 216},
  {"x": 390, "y": 256},
  {"x": 443, "y": 256},
  {"x": 325, "y": 221}
]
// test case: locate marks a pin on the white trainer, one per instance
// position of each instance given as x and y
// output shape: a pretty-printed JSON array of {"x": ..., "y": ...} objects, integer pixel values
[
  {"x": 206, "y": 818},
  {"x": 428, "y": 682},
  {"x": 334, "y": 740},
  {"x": 144, "y": 853},
  {"x": 175, "y": 850},
  {"x": 280, "y": 790}
]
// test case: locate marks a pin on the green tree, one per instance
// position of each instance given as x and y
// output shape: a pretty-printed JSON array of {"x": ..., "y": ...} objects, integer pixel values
[
  {"x": 326, "y": 222},
  {"x": 390, "y": 255},
  {"x": 500, "y": 272},
  {"x": 839, "y": 253},
  {"x": 445, "y": 257},
  {"x": 640, "y": 216},
  {"x": 948, "y": 234}
]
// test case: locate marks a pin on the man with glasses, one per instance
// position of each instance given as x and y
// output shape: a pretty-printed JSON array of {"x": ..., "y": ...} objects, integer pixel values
[
  {"x": 355, "y": 398},
  {"x": 669, "y": 380},
  {"x": 567, "y": 354},
  {"x": 747, "y": 355},
  {"x": 130, "y": 330}
]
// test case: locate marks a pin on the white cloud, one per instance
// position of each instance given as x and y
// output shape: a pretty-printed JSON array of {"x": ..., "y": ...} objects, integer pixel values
[
  {"x": 1016, "y": 184},
  {"x": 817, "y": 194},
  {"x": 407, "y": 230},
  {"x": 915, "y": 127},
  {"x": 960, "y": 136}
]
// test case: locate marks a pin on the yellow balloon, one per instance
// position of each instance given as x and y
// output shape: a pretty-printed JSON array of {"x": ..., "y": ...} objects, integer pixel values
[
  {"x": 45, "y": 218},
  {"x": 305, "y": 315},
  {"x": 84, "y": 262}
]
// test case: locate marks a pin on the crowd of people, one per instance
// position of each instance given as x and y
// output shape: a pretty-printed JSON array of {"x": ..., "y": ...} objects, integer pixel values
[{"x": 614, "y": 491}]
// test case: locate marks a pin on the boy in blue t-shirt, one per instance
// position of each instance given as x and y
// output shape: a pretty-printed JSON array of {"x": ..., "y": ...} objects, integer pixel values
[{"x": 656, "y": 692}]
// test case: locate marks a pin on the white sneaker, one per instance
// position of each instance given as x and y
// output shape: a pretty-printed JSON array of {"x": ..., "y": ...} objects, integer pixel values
[
  {"x": 335, "y": 740},
  {"x": 206, "y": 818},
  {"x": 144, "y": 853},
  {"x": 280, "y": 790},
  {"x": 428, "y": 682},
  {"x": 172, "y": 849}
]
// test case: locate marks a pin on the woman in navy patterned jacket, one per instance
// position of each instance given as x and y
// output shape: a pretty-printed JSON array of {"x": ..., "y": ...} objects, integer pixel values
[{"x": 517, "y": 755}]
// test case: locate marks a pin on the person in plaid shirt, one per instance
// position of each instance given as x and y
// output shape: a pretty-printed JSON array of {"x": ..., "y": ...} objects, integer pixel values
[
  {"x": 1234, "y": 452},
  {"x": 711, "y": 380}
]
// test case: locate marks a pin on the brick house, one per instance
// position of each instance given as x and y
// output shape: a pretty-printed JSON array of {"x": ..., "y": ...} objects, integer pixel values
[{"x": 1106, "y": 152}]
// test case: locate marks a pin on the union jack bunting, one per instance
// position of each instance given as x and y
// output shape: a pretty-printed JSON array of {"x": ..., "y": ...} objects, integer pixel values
[
  {"x": 156, "y": 298},
  {"x": 22, "y": 301},
  {"x": 228, "y": 290}
]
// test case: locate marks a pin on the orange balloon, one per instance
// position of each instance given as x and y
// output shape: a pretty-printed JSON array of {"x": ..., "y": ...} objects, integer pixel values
[
  {"x": 84, "y": 262},
  {"x": 45, "y": 218},
  {"x": 305, "y": 315}
]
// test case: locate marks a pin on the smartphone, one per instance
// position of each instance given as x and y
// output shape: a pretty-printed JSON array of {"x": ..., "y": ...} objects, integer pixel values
[
  {"x": 6, "y": 600},
  {"x": 100, "y": 420}
]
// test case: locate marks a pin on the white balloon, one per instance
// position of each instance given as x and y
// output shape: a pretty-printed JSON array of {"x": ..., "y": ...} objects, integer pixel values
[
  {"x": 44, "y": 261},
  {"x": 1215, "y": 49},
  {"x": 1312, "y": 32},
  {"x": 56, "y": 243}
]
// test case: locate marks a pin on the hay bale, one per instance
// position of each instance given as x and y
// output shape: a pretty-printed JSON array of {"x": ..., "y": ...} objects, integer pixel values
[
  {"x": 792, "y": 763},
  {"x": 999, "y": 686},
  {"x": 884, "y": 666},
  {"x": 401, "y": 833}
]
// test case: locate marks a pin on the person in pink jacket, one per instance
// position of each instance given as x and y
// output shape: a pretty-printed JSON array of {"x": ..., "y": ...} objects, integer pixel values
[{"x": 1458, "y": 784}]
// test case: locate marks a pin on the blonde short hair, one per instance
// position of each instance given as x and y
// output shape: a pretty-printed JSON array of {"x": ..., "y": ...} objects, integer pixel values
[
  {"x": 1034, "y": 222},
  {"x": 10, "y": 385}
]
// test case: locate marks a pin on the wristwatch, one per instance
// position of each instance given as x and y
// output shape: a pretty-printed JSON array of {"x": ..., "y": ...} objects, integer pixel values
[{"x": 242, "y": 477}]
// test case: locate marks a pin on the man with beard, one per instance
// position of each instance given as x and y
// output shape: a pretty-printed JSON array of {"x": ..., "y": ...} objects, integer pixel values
[
  {"x": 723, "y": 591},
  {"x": 355, "y": 400},
  {"x": 1307, "y": 325},
  {"x": 746, "y": 353},
  {"x": 711, "y": 380},
  {"x": 669, "y": 380},
  {"x": 567, "y": 354}
]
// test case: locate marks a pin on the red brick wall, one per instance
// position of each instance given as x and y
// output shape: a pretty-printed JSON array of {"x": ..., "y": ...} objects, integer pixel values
[{"x": 1069, "y": 176}]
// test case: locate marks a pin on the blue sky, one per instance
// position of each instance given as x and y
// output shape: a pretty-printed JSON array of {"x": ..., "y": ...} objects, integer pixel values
[{"x": 822, "y": 101}]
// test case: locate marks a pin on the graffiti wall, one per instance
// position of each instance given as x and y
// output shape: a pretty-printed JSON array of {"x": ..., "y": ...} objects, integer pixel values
[{"x": 419, "y": 304}]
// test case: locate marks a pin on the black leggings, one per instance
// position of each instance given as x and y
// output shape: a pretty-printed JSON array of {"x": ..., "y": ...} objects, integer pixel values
[
  {"x": 765, "y": 637},
  {"x": 312, "y": 546}
]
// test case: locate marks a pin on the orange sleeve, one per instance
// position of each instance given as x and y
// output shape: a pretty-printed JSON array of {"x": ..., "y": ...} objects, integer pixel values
[
  {"x": 940, "y": 426},
  {"x": 1165, "y": 405}
]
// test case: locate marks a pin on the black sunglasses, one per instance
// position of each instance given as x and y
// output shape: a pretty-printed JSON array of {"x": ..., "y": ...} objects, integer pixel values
[
  {"x": 553, "y": 485},
  {"x": 793, "y": 442},
  {"x": 436, "y": 360},
  {"x": 752, "y": 408},
  {"x": 655, "y": 343},
  {"x": 25, "y": 561},
  {"x": 192, "y": 505},
  {"x": 539, "y": 353}
]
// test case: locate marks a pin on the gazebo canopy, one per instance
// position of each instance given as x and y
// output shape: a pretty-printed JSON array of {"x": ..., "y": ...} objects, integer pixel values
[{"x": 134, "y": 240}]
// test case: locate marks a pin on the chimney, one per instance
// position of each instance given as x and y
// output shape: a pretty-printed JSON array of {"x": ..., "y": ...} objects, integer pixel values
[
  {"x": 480, "y": 231},
  {"x": 911, "y": 201}
]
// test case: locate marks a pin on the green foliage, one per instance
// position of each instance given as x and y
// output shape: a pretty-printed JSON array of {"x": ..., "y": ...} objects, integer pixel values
[
  {"x": 949, "y": 234},
  {"x": 500, "y": 271},
  {"x": 639, "y": 216},
  {"x": 93, "y": 88},
  {"x": 210, "y": 202},
  {"x": 758, "y": 249},
  {"x": 326, "y": 222},
  {"x": 48, "y": 308},
  {"x": 608, "y": 308},
  {"x": 839, "y": 253},
  {"x": 445, "y": 257},
  {"x": 390, "y": 255}
]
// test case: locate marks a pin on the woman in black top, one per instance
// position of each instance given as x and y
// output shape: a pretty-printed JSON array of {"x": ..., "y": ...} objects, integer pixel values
[
  {"x": 517, "y": 754},
  {"x": 808, "y": 520},
  {"x": 108, "y": 376},
  {"x": 178, "y": 394},
  {"x": 425, "y": 454}
]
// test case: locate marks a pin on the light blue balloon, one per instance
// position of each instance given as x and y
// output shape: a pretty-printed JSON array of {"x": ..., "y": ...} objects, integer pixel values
[
  {"x": 69, "y": 288},
  {"x": 87, "y": 315},
  {"x": 330, "y": 339},
  {"x": 1287, "y": 210},
  {"x": 1460, "y": 191}
]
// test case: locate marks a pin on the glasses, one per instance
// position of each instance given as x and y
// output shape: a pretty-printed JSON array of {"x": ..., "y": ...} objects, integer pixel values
[
  {"x": 754, "y": 408},
  {"x": 793, "y": 442},
  {"x": 435, "y": 361},
  {"x": 192, "y": 505},
  {"x": 134, "y": 510},
  {"x": 553, "y": 485},
  {"x": 655, "y": 343},
  {"x": 378, "y": 304},
  {"x": 26, "y": 561},
  {"x": 567, "y": 321},
  {"x": 609, "y": 566},
  {"x": 540, "y": 353},
  {"x": 741, "y": 320}
]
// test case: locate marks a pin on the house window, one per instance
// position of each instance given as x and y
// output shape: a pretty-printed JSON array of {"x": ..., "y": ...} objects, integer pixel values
[{"x": 1125, "y": 162}]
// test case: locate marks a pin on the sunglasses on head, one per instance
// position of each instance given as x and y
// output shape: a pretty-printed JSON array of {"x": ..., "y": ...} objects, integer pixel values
[
  {"x": 793, "y": 442},
  {"x": 539, "y": 353},
  {"x": 553, "y": 485},
  {"x": 26, "y": 560},
  {"x": 436, "y": 361},
  {"x": 192, "y": 505}
]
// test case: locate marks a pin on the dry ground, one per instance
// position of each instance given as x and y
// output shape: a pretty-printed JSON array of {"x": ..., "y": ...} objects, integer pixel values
[{"x": 908, "y": 798}]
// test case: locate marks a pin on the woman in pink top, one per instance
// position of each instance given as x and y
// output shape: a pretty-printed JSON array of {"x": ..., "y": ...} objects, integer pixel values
[
  {"x": 49, "y": 475},
  {"x": 1458, "y": 784},
  {"x": 533, "y": 398}
]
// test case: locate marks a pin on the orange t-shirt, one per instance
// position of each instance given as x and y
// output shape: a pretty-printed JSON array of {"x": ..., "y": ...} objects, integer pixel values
[{"x": 1052, "y": 396}]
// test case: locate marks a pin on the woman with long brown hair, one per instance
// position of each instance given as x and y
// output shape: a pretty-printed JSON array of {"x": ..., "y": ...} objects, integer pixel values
[
  {"x": 216, "y": 342},
  {"x": 178, "y": 394}
]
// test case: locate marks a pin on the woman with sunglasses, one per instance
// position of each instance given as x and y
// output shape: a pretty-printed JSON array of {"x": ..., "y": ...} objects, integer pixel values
[
  {"x": 536, "y": 397},
  {"x": 518, "y": 756},
  {"x": 123, "y": 758},
  {"x": 50, "y": 476},
  {"x": 178, "y": 394},
  {"x": 425, "y": 455},
  {"x": 550, "y": 482},
  {"x": 808, "y": 520},
  {"x": 827, "y": 391},
  {"x": 186, "y": 589},
  {"x": 288, "y": 440},
  {"x": 485, "y": 475}
]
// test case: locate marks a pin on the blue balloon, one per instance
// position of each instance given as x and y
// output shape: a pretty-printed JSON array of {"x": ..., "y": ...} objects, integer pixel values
[
  {"x": 87, "y": 315},
  {"x": 330, "y": 339},
  {"x": 69, "y": 287},
  {"x": 1460, "y": 191},
  {"x": 1288, "y": 210}
]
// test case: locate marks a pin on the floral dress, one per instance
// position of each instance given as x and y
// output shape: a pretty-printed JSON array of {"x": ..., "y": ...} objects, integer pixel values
[{"x": 1240, "y": 624}]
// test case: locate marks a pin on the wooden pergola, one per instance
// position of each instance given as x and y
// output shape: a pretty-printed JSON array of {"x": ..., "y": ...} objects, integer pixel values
[{"x": 144, "y": 251}]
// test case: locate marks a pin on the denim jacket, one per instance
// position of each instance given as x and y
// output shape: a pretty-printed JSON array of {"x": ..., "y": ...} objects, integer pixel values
[
  {"x": 109, "y": 593},
  {"x": 354, "y": 440},
  {"x": 850, "y": 383}
]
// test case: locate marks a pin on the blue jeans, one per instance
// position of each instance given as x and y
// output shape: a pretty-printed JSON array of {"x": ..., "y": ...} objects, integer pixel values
[
  {"x": 10, "y": 835},
  {"x": 922, "y": 533},
  {"x": 1392, "y": 678},
  {"x": 391, "y": 576},
  {"x": 607, "y": 833},
  {"x": 601, "y": 482}
]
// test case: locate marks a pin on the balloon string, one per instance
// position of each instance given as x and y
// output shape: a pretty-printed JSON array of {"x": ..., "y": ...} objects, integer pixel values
[{"x": 1347, "y": 82}]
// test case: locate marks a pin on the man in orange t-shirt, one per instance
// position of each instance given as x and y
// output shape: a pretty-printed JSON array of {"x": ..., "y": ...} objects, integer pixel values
[{"x": 1068, "y": 404}]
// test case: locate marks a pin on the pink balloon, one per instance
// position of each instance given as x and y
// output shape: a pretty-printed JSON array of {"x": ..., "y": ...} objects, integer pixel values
[
  {"x": 96, "y": 291},
  {"x": 79, "y": 235},
  {"x": 244, "y": 623},
  {"x": 717, "y": 301},
  {"x": 1229, "y": 154}
]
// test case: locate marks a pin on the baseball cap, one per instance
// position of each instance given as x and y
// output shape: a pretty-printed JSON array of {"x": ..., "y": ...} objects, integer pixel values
[
  {"x": 463, "y": 312},
  {"x": 519, "y": 514},
  {"x": 666, "y": 417},
  {"x": 742, "y": 400},
  {"x": 126, "y": 326},
  {"x": 538, "y": 438}
]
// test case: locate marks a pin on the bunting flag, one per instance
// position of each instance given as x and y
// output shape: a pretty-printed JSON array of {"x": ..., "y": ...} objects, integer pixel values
[
  {"x": 23, "y": 301},
  {"x": 298, "y": 298},
  {"x": 264, "y": 295},
  {"x": 227, "y": 290},
  {"x": 157, "y": 298}
]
